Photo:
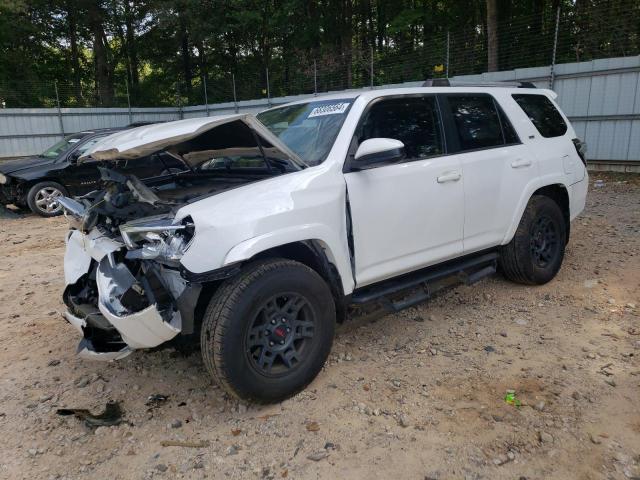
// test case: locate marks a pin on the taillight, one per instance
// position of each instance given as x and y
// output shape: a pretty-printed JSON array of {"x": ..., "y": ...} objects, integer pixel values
[{"x": 581, "y": 148}]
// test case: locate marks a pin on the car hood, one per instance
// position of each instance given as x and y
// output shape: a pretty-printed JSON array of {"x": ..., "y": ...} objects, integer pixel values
[
  {"x": 148, "y": 139},
  {"x": 17, "y": 166}
]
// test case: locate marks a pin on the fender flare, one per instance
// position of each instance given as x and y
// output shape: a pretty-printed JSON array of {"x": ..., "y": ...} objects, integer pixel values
[
  {"x": 532, "y": 187},
  {"x": 336, "y": 250}
]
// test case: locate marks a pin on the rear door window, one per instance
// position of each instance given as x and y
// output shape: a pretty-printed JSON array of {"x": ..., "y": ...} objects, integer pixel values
[
  {"x": 542, "y": 113},
  {"x": 415, "y": 121},
  {"x": 477, "y": 122}
]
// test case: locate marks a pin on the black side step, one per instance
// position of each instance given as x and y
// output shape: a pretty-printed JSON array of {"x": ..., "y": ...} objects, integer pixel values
[{"x": 468, "y": 270}]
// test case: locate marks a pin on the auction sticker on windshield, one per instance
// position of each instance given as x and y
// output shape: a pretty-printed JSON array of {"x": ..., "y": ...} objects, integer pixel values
[{"x": 331, "y": 109}]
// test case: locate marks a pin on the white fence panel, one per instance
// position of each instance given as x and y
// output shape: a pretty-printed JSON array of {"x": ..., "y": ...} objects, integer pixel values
[{"x": 601, "y": 97}]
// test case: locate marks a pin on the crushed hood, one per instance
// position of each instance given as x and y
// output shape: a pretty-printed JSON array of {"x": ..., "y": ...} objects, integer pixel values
[{"x": 148, "y": 139}]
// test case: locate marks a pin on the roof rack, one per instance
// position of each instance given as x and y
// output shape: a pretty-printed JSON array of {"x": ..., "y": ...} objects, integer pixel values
[{"x": 445, "y": 82}]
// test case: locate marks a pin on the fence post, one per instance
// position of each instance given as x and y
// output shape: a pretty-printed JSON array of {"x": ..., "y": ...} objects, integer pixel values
[
  {"x": 180, "y": 112},
  {"x": 55, "y": 83},
  {"x": 268, "y": 91},
  {"x": 315, "y": 79},
  {"x": 233, "y": 82},
  {"x": 633, "y": 109},
  {"x": 206, "y": 100},
  {"x": 447, "y": 59},
  {"x": 555, "y": 47},
  {"x": 371, "y": 66},
  {"x": 126, "y": 82}
]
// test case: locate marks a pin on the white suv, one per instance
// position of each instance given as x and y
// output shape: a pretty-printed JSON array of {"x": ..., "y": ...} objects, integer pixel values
[{"x": 285, "y": 220}]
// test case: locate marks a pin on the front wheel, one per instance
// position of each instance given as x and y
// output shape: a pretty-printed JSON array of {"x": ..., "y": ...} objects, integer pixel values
[
  {"x": 43, "y": 198},
  {"x": 267, "y": 332},
  {"x": 535, "y": 253}
]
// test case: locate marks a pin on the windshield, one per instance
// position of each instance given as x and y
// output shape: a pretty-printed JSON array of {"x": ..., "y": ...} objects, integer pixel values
[
  {"x": 309, "y": 129},
  {"x": 62, "y": 146}
]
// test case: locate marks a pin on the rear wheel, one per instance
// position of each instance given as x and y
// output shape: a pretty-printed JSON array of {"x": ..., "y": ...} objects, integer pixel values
[
  {"x": 43, "y": 198},
  {"x": 536, "y": 251},
  {"x": 268, "y": 331}
]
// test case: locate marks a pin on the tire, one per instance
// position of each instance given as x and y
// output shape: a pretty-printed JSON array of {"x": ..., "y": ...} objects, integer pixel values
[
  {"x": 535, "y": 254},
  {"x": 41, "y": 198},
  {"x": 246, "y": 352}
]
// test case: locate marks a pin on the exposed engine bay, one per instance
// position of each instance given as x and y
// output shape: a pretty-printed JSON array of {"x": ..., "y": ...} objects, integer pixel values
[{"x": 125, "y": 288}]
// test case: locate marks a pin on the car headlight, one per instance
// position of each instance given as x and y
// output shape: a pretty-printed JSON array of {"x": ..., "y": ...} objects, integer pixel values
[
  {"x": 3, "y": 179},
  {"x": 158, "y": 238}
]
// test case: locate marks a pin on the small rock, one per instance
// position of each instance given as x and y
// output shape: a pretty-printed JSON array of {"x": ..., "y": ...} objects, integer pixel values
[
  {"x": 53, "y": 363},
  {"x": 232, "y": 450},
  {"x": 198, "y": 465},
  {"x": 575, "y": 395},
  {"x": 176, "y": 424},
  {"x": 418, "y": 319},
  {"x": 161, "y": 467},
  {"x": 545, "y": 437},
  {"x": 45, "y": 398},
  {"x": 403, "y": 420},
  {"x": 489, "y": 349},
  {"x": 595, "y": 440},
  {"x": 610, "y": 381},
  {"x": 521, "y": 321},
  {"x": 82, "y": 382},
  {"x": 621, "y": 457},
  {"x": 540, "y": 406},
  {"x": 317, "y": 456},
  {"x": 503, "y": 334},
  {"x": 511, "y": 455}
]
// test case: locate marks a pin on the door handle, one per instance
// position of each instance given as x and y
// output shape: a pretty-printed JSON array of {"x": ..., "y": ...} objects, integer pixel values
[
  {"x": 449, "y": 177},
  {"x": 521, "y": 163}
]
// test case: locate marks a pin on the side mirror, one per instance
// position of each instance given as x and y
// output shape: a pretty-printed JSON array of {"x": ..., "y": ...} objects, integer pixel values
[
  {"x": 73, "y": 158},
  {"x": 376, "y": 151}
]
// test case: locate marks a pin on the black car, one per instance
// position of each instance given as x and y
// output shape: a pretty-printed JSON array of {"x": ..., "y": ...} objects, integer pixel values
[{"x": 38, "y": 181}]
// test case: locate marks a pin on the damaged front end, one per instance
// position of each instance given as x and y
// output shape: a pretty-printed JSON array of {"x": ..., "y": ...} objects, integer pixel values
[
  {"x": 125, "y": 287},
  {"x": 124, "y": 290}
]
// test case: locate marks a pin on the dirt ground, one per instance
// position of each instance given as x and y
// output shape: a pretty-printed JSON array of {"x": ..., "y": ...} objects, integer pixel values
[{"x": 416, "y": 395}]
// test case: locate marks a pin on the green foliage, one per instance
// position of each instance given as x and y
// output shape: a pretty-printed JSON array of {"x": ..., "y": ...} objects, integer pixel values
[{"x": 162, "y": 51}]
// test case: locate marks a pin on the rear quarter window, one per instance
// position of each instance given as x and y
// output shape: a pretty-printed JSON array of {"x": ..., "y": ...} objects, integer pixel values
[
  {"x": 542, "y": 113},
  {"x": 479, "y": 122}
]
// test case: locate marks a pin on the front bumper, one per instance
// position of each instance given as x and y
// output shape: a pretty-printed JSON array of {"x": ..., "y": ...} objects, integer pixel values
[
  {"x": 9, "y": 194},
  {"x": 120, "y": 306}
]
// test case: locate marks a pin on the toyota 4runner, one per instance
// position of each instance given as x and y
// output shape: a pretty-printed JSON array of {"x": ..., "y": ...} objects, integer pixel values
[{"x": 282, "y": 223}]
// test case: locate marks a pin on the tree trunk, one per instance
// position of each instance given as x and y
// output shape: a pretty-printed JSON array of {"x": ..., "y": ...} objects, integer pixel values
[
  {"x": 75, "y": 53},
  {"x": 186, "y": 57},
  {"x": 346, "y": 39},
  {"x": 132, "y": 50},
  {"x": 104, "y": 87},
  {"x": 492, "y": 35}
]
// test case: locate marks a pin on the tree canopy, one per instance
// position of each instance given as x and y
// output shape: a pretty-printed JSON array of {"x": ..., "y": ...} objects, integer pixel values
[{"x": 161, "y": 52}]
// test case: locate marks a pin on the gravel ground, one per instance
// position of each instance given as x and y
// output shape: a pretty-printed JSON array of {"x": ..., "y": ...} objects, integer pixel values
[{"x": 416, "y": 395}]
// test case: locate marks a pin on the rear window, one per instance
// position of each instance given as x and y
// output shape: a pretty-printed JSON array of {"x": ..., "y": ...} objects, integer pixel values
[
  {"x": 479, "y": 122},
  {"x": 543, "y": 114}
]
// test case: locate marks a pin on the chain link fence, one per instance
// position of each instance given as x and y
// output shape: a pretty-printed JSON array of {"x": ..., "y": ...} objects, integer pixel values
[{"x": 567, "y": 35}]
